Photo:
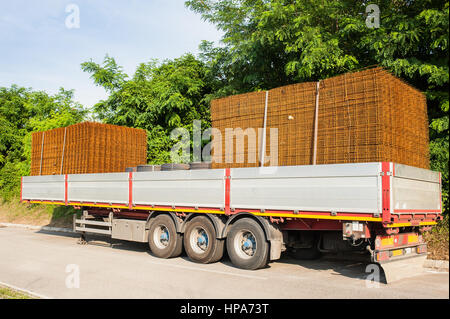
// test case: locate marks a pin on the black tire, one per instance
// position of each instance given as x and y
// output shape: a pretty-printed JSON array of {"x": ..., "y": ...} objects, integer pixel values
[
  {"x": 174, "y": 166},
  {"x": 212, "y": 248},
  {"x": 200, "y": 165},
  {"x": 244, "y": 231},
  {"x": 173, "y": 246},
  {"x": 148, "y": 168}
]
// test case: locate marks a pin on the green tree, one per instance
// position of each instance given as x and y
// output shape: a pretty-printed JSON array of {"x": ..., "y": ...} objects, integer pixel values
[
  {"x": 272, "y": 43},
  {"x": 23, "y": 111},
  {"x": 159, "y": 97}
]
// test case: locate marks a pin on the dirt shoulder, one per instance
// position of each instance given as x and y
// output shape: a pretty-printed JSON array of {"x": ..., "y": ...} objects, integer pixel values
[{"x": 38, "y": 215}]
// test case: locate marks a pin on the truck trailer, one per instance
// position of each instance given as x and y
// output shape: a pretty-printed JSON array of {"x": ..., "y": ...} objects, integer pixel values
[{"x": 378, "y": 210}]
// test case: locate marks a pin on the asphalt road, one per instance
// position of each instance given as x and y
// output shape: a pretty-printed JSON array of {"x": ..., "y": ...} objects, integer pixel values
[{"x": 47, "y": 264}]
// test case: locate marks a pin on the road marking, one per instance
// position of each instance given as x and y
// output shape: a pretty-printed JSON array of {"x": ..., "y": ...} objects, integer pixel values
[
  {"x": 26, "y": 291},
  {"x": 208, "y": 270}
]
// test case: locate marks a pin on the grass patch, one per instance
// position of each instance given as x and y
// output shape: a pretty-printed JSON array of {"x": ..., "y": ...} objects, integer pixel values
[
  {"x": 13, "y": 211},
  {"x": 8, "y": 293},
  {"x": 438, "y": 241}
]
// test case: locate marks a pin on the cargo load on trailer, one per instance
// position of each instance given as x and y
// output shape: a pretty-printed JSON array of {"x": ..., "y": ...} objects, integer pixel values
[
  {"x": 87, "y": 148},
  {"x": 365, "y": 116}
]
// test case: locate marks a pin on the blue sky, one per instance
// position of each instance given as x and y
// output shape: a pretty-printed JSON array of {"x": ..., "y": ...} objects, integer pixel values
[{"x": 37, "y": 49}]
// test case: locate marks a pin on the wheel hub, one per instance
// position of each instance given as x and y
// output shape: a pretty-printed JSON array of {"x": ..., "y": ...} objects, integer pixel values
[
  {"x": 198, "y": 239},
  {"x": 202, "y": 240},
  {"x": 162, "y": 237},
  {"x": 248, "y": 244}
]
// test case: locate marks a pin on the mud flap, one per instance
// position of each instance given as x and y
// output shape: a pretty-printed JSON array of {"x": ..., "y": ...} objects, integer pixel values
[{"x": 398, "y": 269}]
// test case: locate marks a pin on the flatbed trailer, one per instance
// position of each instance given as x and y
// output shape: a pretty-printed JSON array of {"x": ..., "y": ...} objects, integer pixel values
[{"x": 380, "y": 209}]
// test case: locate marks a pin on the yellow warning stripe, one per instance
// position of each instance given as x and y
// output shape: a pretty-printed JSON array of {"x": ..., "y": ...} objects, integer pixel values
[
  {"x": 186, "y": 210},
  {"x": 387, "y": 241},
  {"x": 292, "y": 215},
  {"x": 368, "y": 219},
  {"x": 179, "y": 210},
  {"x": 409, "y": 224},
  {"x": 135, "y": 207},
  {"x": 412, "y": 239},
  {"x": 397, "y": 252}
]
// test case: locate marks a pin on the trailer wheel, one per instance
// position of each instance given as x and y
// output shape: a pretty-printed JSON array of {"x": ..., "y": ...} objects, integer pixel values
[
  {"x": 163, "y": 239},
  {"x": 200, "y": 241},
  {"x": 246, "y": 244}
]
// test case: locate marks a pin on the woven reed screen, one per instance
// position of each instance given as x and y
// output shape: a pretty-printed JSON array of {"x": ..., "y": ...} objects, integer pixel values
[
  {"x": 87, "y": 148},
  {"x": 365, "y": 116}
]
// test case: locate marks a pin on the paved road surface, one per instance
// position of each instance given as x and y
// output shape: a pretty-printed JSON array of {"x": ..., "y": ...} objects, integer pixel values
[{"x": 37, "y": 261}]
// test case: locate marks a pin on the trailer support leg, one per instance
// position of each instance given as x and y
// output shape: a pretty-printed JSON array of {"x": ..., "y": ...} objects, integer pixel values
[{"x": 82, "y": 240}]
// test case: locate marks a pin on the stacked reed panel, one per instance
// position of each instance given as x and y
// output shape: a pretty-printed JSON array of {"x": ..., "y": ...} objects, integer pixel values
[
  {"x": 365, "y": 116},
  {"x": 291, "y": 112},
  {"x": 87, "y": 148},
  {"x": 230, "y": 115}
]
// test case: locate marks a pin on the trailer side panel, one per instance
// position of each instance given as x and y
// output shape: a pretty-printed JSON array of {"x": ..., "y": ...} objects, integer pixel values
[{"x": 322, "y": 188}]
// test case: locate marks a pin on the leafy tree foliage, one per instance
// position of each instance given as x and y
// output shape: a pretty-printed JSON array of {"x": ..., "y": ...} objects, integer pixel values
[
  {"x": 23, "y": 111},
  {"x": 159, "y": 97},
  {"x": 266, "y": 44},
  {"x": 272, "y": 43}
]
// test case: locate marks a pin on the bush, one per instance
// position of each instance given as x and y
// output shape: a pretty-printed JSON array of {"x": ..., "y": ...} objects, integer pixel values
[{"x": 438, "y": 241}]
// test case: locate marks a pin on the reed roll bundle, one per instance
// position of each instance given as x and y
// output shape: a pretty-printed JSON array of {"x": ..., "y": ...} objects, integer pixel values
[
  {"x": 365, "y": 116},
  {"x": 87, "y": 148}
]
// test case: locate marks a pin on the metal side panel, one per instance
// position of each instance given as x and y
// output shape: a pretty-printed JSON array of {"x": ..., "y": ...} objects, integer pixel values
[
  {"x": 101, "y": 188},
  {"x": 47, "y": 187},
  {"x": 415, "y": 189},
  {"x": 410, "y": 172},
  {"x": 128, "y": 229},
  {"x": 339, "y": 188},
  {"x": 203, "y": 188}
]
